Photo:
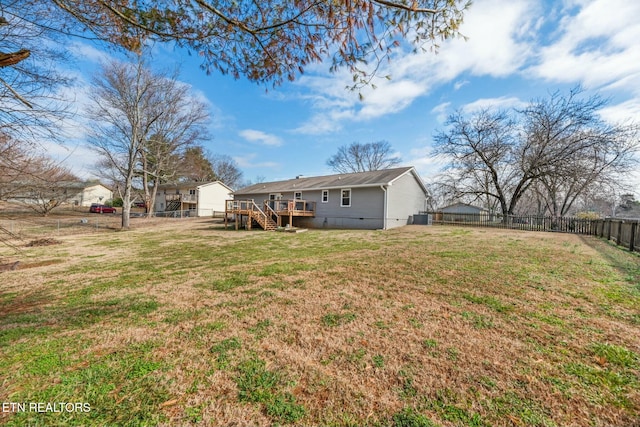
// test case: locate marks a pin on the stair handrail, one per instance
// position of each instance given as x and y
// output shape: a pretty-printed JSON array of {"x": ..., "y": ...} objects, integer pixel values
[
  {"x": 269, "y": 208},
  {"x": 261, "y": 217}
]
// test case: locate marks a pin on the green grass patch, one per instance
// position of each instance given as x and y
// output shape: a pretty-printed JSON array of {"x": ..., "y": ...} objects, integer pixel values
[
  {"x": 409, "y": 417},
  {"x": 616, "y": 355},
  {"x": 337, "y": 319},
  {"x": 222, "y": 349},
  {"x": 479, "y": 321},
  {"x": 490, "y": 301},
  {"x": 256, "y": 384}
]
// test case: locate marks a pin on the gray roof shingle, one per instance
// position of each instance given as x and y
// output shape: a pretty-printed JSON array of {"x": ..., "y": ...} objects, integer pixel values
[{"x": 343, "y": 180}]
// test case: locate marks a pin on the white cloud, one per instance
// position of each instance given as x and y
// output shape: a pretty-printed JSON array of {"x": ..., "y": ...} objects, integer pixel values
[
  {"x": 425, "y": 163},
  {"x": 499, "y": 37},
  {"x": 319, "y": 124},
  {"x": 459, "y": 84},
  {"x": 441, "y": 111},
  {"x": 89, "y": 53},
  {"x": 622, "y": 112},
  {"x": 260, "y": 137},
  {"x": 498, "y": 45},
  {"x": 501, "y": 103},
  {"x": 248, "y": 161},
  {"x": 598, "y": 46}
]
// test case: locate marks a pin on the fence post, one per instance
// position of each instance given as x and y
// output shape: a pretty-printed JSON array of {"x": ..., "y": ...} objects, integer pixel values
[
  {"x": 619, "y": 235},
  {"x": 632, "y": 240}
]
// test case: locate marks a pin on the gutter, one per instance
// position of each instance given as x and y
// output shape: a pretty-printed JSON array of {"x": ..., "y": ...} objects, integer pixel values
[{"x": 384, "y": 209}]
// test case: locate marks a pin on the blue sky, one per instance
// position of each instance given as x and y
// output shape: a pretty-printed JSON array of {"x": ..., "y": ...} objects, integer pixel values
[{"x": 516, "y": 50}]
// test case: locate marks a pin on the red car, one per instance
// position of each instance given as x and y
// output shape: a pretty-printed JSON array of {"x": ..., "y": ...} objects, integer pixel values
[{"x": 97, "y": 208}]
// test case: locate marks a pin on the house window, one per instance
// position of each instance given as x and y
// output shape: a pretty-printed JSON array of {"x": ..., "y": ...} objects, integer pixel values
[
  {"x": 345, "y": 201},
  {"x": 325, "y": 196},
  {"x": 297, "y": 195},
  {"x": 192, "y": 192}
]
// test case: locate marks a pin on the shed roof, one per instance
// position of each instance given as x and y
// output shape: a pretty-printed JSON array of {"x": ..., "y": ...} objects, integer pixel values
[
  {"x": 343, "y": 180},
  {"x": 452, "y": 208}
]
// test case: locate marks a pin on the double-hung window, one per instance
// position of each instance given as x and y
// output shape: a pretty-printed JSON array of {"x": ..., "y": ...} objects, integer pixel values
[
  {"x": 345, "y": 198},
  {"x": 325, "y": 196}
]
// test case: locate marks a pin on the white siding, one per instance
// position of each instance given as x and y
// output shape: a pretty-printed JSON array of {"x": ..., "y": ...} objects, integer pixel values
[
  {"x": 405, "y": 198},
  {"x": 211, "y": 198},
  {"x": 93, "y": 194}
]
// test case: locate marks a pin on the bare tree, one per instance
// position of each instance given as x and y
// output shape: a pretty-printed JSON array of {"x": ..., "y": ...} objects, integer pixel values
[
  {"x": 48, "y": 187},
  {"x": 14, "y": 161},
  {"x": 32, "y": 179},
  {"x": 32, "y": 108},
  {"x": 582, "y": 150},
  {"x": 180, "y": 126},
  {"x": 227, "y": 170},
  {"x": 126, "y": 104},
  {"x": 557, "y": 147},
  {"x": 358, "y": 157}
]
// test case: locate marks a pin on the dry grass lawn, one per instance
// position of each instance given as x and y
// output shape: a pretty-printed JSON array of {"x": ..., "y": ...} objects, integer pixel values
[{"x": 183, "y": 323}]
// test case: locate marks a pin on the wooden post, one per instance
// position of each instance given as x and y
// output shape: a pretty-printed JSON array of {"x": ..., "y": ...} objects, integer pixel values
[
  {"x": 619, "y": 236},
  {"x": 632, "y": 241}
]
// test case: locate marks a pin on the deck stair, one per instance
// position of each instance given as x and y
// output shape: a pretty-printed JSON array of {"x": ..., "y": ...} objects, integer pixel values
[
  {"x": 174, "y": 205},
  {"x": 265, "y": 221}
]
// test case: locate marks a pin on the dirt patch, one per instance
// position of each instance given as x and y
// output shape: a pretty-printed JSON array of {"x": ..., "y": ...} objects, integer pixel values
[{"x": 43, "y": 242}]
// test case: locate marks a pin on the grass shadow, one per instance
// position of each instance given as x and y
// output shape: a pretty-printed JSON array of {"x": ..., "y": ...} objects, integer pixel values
[{"x": 624, "y": 262}]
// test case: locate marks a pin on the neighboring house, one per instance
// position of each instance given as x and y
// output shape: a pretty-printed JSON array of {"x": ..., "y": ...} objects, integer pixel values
[
  {"x": 76, "y": 193},
  {"x": 86, "y": 193},
  {"x": 371, "y": 200},
  {"x": 462, "y": 212},
  {"x": 198, "y": 198}
]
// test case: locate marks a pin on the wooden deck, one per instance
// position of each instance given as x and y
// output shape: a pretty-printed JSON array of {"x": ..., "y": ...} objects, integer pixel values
[{"x": 269, "y": 215}]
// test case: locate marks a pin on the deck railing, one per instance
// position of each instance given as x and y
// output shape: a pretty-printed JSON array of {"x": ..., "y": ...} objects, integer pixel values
[
  {"x": 187, "y": 198},
  {"x": 299, "y": 207},
  {"x": 279, "y": 207}
]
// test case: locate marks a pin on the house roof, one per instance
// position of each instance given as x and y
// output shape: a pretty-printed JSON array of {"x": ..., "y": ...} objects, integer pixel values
[
  {"x": 81, "y": 185},
  {"x": 191, "y": 184},
  {"x": 343, "y": 180}
]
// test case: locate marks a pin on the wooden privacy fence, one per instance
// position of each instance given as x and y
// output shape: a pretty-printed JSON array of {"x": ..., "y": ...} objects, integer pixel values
[{"x": 624, "y": 232}]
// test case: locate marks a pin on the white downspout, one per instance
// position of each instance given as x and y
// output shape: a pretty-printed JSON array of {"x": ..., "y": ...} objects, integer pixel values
[{"x": 384, "y": 209}]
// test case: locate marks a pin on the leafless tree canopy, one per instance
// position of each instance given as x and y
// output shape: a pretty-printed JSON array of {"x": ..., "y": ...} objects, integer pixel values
[
  {"x": 29, "y": 56},
  {"x": 181, "y": 125},
  {"x": 227, "y": 170},
  {"x": 127, "y": 103},
  {"x": 31, "y": 178},
  {"x": 555, "y": 151},
  {"x": 358, "y": 157}
]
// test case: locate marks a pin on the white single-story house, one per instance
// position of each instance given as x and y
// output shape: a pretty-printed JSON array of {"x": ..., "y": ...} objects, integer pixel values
[
  {"x": 381, "y": 199},
  {"x": 86, "y": 193},
  {"x": 198, "y": 198}
]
